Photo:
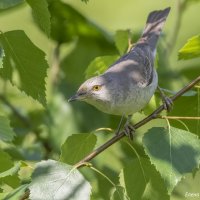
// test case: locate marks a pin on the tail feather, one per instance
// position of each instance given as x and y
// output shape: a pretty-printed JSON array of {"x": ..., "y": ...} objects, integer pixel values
[{"x": 153, "y": 28}]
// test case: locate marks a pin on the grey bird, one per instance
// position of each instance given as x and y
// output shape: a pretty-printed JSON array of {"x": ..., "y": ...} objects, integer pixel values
[{"x": 128, "y": 84}]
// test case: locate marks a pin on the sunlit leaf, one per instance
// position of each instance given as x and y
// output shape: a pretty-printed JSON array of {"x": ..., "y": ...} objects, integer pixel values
[
  {"x": 174, "y": 152},
  {"x": 77, "y": 146},
  {"x": 55, "y": 180},
  {"x": 142, "y": 181},
  {"x": 13, "y": 170},
  {"x": 121, "y": 40},
  {"x": 8, "y": 171},
  {"x": 191, "y": 49},
  {"x": 6, "y": 132},
  {"x": 41, "y": 14},
  {"x": 17, "y": 193},
  {"x": 29, "y": 61},
  {"x": 99, "y": 65}
]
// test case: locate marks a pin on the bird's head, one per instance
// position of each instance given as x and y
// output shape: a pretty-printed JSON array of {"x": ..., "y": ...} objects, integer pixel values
[{"x": 93, "y": 91}]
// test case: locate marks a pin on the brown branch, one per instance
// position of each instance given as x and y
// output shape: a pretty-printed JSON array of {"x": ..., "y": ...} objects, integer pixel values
[{"x": 136, "y": 126}]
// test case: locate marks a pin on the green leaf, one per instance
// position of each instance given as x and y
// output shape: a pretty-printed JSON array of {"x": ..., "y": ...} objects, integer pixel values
[
  {"x": 61, "y": 120},
  {"x": 142, "y": 181},
  {"x": 121, "y": 40},
  {"x": 8, "y": 171},
  {"x": 188, "y": 187},
  {"x": 192, "y": 103},
  {"x": 191, "y": 49},
  {"x": 67, "y": 24},
  {"x": 55, "y": 180},
  {"x": 17, "y": 193},
  {"x": 29, "y": 61},
  {"x": 174, "y": 152},
  {"x": 13, "y": 181},
  {"x": 12, "y": 171},
  {"x": 100, "y": 65},
  {"x": 5, "y": 161},
  {"x": 6, "y": 132},
  {"x": 5, "y": 4},
  {"x": 77, "y": 147},
  {"x": 41, "y": 14},
  {"x": 119, "y": 194}
]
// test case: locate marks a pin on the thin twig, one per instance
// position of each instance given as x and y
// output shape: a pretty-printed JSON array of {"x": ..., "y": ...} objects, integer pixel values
[
  {"x": 178, "y": 117},
  {"x": 136, "y": 126}
]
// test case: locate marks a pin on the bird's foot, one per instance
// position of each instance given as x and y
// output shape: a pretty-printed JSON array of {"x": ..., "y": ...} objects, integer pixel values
[
  {"x": 129, "y": 130},
  {"x": 168, "y": 103}
]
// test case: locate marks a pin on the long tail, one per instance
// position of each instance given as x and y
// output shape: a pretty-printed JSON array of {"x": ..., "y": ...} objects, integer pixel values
[{"x": 153, "y": 28}]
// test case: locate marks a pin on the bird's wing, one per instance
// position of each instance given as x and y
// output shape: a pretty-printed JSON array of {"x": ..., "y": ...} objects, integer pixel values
[{"x": 137, "y": 65}]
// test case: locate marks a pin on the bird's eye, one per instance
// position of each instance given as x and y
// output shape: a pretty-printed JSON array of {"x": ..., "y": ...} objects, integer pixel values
[{"x": 96, "y": 87}]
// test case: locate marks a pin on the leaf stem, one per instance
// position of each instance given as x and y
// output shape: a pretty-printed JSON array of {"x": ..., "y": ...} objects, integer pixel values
[{"x": 178, "y": 117}]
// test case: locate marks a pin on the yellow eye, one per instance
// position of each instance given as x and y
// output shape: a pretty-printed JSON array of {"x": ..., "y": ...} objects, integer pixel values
[{"x": 96, "y": 87}]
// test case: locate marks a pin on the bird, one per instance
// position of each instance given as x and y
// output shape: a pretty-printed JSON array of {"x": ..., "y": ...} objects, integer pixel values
[{"x": 128, "y": 84}]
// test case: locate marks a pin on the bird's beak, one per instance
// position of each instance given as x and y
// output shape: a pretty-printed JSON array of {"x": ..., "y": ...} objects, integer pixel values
[{"x": 73, "y": 98}]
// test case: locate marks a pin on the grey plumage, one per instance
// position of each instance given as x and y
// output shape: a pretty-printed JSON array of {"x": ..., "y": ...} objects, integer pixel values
[{"x": 128, "y": 85}]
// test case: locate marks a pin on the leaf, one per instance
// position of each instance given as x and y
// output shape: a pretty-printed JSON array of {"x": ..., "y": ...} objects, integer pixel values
[
  {"x": 5, "y": 4},
  {"x": 29, "y": 61},
  {"x": 119, "y": 194},
  {"x": 67, "y": 24},
  {"x": 121, "y": 40},
  {"x": 6, "y": 132},
  {"x": 188, "y": 187},
  {"x": 142, "y": 181},
  {"x": 61, "y": 120},
  {"x": 8, "y": 171},
  {"x": 41, "y": 14},
  {"x": 5, "y": 161},
  {"x": 174, "y": 152},
  {"x": 77, "y": 147},
  {"x": 17, "y": 193},
  {"x": 191, "y": 49},
  {"x": 13, "y": 181},
  {"x": 55, "y": 180},
  {"x": 100, "y": 65},
  {"x": 12, "y": 171},
  {"x": 192, "y": 103}
]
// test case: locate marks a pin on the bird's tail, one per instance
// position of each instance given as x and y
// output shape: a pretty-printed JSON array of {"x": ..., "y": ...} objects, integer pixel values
[{"x": 153, "y": 28}]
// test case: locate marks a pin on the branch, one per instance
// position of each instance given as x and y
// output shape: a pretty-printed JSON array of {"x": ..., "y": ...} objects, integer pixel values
[{"x": 136, "y": 126}]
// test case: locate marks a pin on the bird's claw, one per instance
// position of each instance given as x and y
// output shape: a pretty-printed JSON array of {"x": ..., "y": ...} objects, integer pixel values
[
  {"x": 129, "y": 130},
  {"x": 168, "y": 103}
]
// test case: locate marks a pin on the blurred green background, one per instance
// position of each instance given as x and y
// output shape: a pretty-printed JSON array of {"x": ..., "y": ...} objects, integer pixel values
[{"x": 51, "y": 126}]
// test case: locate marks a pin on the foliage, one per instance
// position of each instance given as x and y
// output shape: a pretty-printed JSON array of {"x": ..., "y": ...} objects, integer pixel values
[
  {"x": 43, "y": 137},
  {"x": 54, "y": 180},
  {"x": 191, "y": 49}
]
